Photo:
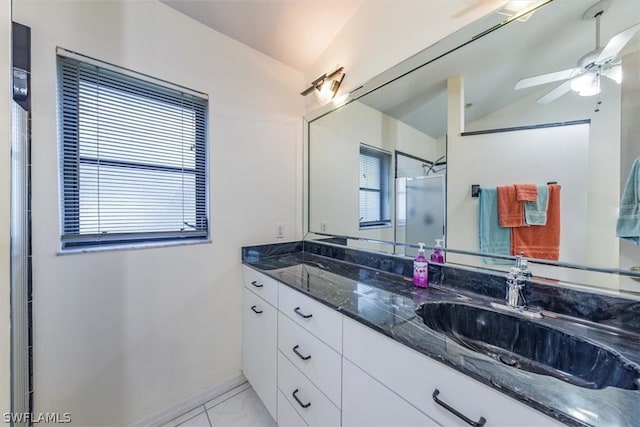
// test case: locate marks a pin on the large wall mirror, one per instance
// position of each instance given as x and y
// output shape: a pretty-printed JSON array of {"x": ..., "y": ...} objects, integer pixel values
[{"x": 398, "y": 163}]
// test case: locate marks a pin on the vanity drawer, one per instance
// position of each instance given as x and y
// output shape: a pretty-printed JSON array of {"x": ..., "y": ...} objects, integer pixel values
[
  {"x": 322, "y": 321},
  {"x": 315, "y": 359},
  {"x": 415, "y": 376},
  {"x": 261, "y": 285},
  {"x": 306, "y": 398},
  {"x": 287, "y": 416}
]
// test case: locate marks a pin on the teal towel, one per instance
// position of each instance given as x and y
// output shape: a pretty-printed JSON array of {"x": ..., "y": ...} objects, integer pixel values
[
  {"x": 491, "y": 237},
  {"x": 535, "y": 213},
  {"x": 628, "y": 225}
]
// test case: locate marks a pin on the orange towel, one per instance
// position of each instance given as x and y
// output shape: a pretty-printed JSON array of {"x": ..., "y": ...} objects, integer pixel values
[
  {"x": 540, "y": 241},
  {"x": 526, "y": 192},
  {"x": 510, "y": 211}
]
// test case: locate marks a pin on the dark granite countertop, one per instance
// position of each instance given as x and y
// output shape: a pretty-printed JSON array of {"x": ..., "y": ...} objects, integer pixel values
[{"x": 387, "y": 302}]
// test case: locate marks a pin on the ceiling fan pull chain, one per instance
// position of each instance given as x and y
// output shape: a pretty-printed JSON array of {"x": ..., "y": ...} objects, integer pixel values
[{"x": 598, "y": 83}]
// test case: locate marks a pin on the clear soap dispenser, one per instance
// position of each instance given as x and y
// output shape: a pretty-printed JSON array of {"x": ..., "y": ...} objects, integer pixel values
[{"x": 420, "y": 269}]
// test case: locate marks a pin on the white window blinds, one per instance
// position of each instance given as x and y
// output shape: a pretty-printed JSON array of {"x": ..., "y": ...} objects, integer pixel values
[
  {"x": 133, "y": 158},
  {"x": 375, "y": 197}
]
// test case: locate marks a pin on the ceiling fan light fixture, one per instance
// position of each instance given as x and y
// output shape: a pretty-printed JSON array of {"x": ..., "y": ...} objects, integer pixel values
[
  {"x": 590, "y": 91},
  {"x": 584, "y": 83}
]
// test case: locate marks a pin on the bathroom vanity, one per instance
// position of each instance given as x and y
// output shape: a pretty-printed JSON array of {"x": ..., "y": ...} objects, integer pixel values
[{"x": 329, "y": 340}]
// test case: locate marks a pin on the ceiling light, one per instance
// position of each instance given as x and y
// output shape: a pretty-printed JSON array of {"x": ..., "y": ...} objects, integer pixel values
[
  {"x": 587, "y": 84},
  {"x": 519, "y": 9},
  {"x": 326, "y": 86}
]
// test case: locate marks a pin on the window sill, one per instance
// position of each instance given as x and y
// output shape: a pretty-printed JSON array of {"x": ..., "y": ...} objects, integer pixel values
[
  {"x": 131, "y": 246},
  {"x": 370, "y": 227}
]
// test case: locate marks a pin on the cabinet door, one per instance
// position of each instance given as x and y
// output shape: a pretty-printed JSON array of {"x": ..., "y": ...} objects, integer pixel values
[
  {"x": 260, "y": 347},
  {"x": 367, "y": 403},
  {"x": 415, "y": 377}
]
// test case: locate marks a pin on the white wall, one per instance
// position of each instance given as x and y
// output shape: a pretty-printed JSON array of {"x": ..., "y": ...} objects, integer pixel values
[
  {"x": 383, "y": 33},
  {"x": 601, "y": 246},
  {"x": 529, "y": 156},
  {"x": 119, "y": 335},
  {"x": 5, "y": 168},
  {"x": 630, "y": 150},
  {"x": 603, "y": 179},
  {"x": 334, "y": 169}
]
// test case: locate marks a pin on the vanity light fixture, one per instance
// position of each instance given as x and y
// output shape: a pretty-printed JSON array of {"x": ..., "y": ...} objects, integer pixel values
[{"x": 326, "y": 86}]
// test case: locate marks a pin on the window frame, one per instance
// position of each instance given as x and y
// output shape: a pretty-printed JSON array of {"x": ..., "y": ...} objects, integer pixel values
[
  {"x": 70, "y": 160},
  {"x": 384, "y": 193}
]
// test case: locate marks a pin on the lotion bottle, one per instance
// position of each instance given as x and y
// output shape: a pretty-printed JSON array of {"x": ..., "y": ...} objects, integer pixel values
[
  {"x": 420, "y": 269},
  {"x": 436, "y": 269}
]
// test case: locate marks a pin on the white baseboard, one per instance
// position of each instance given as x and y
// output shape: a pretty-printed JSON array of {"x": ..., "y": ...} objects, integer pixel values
[{"x": 168, "y": 414}]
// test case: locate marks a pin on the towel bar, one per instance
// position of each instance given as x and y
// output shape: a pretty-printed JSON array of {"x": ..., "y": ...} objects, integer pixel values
[{"x": 475, "y": 188}]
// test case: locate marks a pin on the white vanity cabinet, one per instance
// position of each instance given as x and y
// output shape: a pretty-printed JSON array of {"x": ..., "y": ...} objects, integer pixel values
[
  {"x": 260, "y": 336},
  {"x": 312, "y": 366},
  {"x": 414, "y": 377}
]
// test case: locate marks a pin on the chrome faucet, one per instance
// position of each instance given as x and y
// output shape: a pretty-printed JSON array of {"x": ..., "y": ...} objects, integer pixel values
[{"x": 516, "y": 279}]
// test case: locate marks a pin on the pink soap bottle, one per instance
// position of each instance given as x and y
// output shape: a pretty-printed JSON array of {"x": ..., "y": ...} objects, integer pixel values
[
  {"x": 421, "y": 269},
  {"x": 436, "y": 270}
]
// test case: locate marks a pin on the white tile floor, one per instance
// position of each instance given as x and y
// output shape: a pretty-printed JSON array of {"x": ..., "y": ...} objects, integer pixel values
[{"x": 239, "y": 407}]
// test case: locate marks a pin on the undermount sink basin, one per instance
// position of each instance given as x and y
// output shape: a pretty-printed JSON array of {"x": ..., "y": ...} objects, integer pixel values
[{"x": 530, "y": 346}]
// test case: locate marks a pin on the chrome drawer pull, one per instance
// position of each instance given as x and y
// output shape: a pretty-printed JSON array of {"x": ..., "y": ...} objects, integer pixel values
[
  {"x": 295, "y": 350},
  {"x": 301, "y": 314},
  {"x": 256, "y": 284},
  {"x": 304, "y": 405},
  {"x": 253, "y": 307},
  {"x": 478, "y": 423}
]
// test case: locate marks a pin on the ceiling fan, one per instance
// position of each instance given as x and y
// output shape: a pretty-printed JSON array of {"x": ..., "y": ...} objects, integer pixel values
[{"x": 585, "y": 77}]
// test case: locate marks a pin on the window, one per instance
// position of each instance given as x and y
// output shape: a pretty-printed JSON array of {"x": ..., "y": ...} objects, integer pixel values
[
  {"x": 375, "y": 180},
  {"x": 133, "y": 157}
]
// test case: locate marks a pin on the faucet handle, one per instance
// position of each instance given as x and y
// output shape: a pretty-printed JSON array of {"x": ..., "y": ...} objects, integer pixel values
[{"x": 520, "y": 260}]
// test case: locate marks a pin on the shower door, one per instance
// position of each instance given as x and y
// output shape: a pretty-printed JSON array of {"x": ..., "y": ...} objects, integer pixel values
[{"x": 425, "y": 211}]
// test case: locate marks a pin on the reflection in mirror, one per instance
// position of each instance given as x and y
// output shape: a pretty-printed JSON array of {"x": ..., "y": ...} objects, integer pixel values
[
  {"x": 462, "y": 110},
  {"x": 420, "y": 201},
  {"x": 367, "y": 173}
]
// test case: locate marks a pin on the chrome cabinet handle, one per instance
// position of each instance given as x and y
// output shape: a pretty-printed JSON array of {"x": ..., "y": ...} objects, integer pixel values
[
  {"x": 295, "y": 350},
  {"x": 301, "y": 314},
  {"x": 256, "y": 284},
  {"x": 478, "y": 423},
  {"x": 304, "y": 405},
  {"x": 253, "y": 307}
]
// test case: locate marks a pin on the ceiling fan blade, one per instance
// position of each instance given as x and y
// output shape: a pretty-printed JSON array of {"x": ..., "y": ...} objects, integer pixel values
[
  {"x": 555, "y": 93},
  {"x": 616, "y": 44},
  {"x": 547, "y": 78}
]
